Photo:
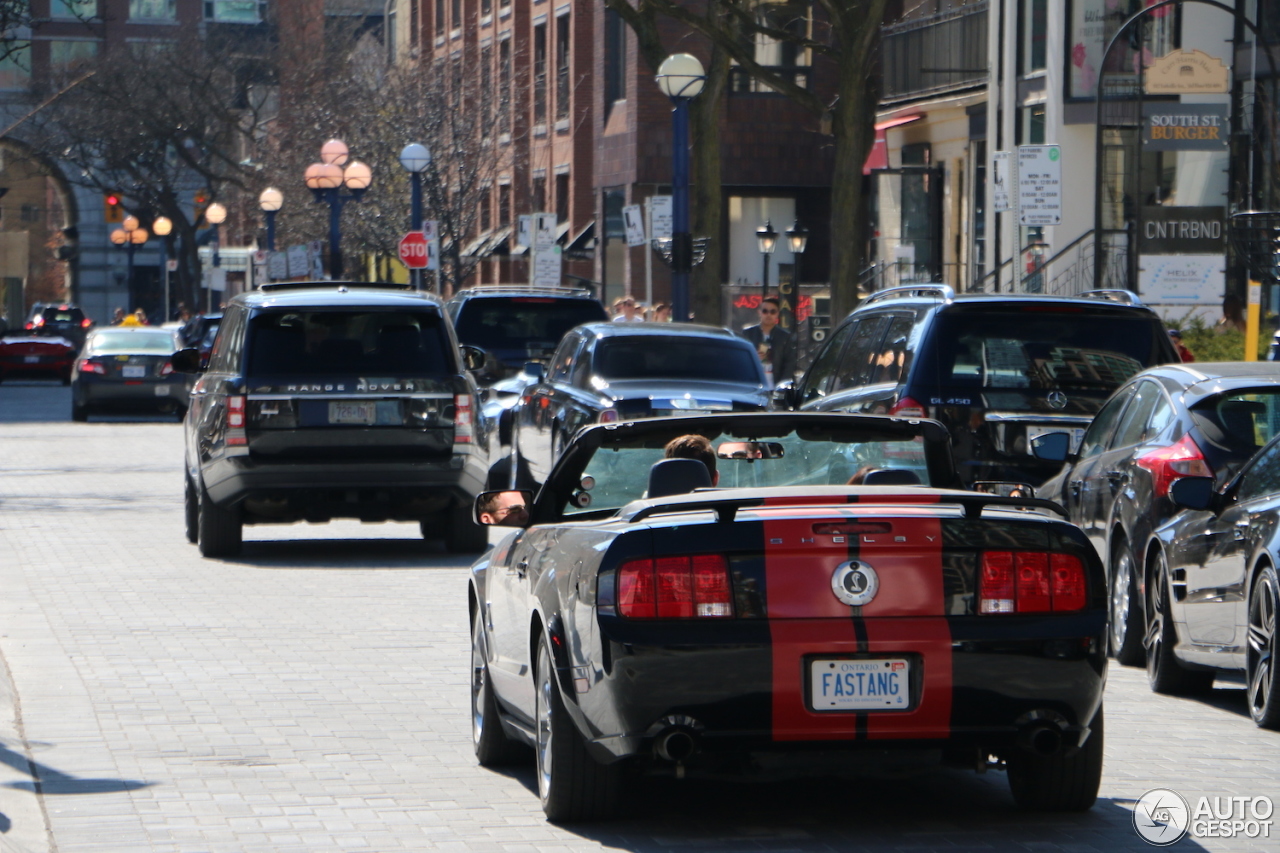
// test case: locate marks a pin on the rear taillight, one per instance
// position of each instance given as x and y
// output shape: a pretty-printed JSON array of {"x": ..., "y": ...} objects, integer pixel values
[
  {"x": 235, "y": 421},
  {"x": 462, "y": 430},
  {"x": 88, "y": 365},
  {"x": 1167, "y": 464},
  {"x": 609, "y": 416},
  {"x": 1030, "y": 582},
  {"x": 690, "y": 587},
  {"x": 166, "y": 369},
  {"x": 908, "y": 408},
  {"x": 86, "y": 323}
]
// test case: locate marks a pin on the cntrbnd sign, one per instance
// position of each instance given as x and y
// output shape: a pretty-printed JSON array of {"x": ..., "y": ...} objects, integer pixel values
[{"x": 1182, "y": 230}]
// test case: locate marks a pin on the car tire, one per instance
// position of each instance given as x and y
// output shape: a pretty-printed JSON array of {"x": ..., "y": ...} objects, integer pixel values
[
  {"x": 79, "y": 413},
  {"x": 1066, "y": 781},
  {"x": 66, "y": 380},
  {"x": 462, "y": 535},
  {"x": 572, "y": 785},
  {"x": 493, "y": 747},
  {"x": 220, "y": 530},
  {"x": 1260, "y": 652},
  {"x": 191, "y": 510},
  {"x": 1165, "y": 673},
  {"x": 1127, "y": 621}
]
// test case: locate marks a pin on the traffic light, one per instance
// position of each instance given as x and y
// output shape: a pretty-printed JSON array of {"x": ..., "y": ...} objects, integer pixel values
[
  {"x": 202, "y": 203},
  {"x": 113, "y": 207}
]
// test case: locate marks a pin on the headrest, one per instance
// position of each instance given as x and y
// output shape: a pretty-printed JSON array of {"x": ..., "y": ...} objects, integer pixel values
[
  {"x": 891, "y": 477},
  {"x": 677, "y": 477}
]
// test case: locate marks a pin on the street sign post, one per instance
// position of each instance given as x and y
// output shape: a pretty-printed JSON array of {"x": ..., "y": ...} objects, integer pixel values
[{"x": 413, "y": 250}]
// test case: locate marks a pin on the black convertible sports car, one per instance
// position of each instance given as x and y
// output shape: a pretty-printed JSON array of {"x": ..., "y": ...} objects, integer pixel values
[{"x": 643, "y": 621}]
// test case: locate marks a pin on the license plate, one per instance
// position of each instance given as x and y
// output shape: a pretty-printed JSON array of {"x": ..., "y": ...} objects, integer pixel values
[
  {"x": 1076, "y": 433},
  {"x": 353, "y": 413},
  {"x": 133, "y": 371},
  {"x": 162, "y": 390},
  {"x": 859, "y": 685},
  {"x": 31, "y": 359}
]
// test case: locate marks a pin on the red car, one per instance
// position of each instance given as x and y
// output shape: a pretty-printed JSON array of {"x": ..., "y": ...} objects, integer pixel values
[{"x": 29, "y": 356}]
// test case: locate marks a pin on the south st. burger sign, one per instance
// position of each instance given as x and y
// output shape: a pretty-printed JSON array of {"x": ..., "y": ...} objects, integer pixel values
[{"x": 1184, "y": 127}]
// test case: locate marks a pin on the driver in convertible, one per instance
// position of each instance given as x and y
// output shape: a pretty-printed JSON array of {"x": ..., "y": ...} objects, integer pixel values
[{"x": 694, "y": 447}]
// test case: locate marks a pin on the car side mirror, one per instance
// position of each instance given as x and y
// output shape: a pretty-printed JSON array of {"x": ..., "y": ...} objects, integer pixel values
[
  {"x": 1193, "y": 492},
  {"x": 784, "y": 395},
  {"x": 1051, "y": 447},
  {"x": 473, "y": 358},
  {"x": 534, "y": 371},
  {"x": 186, "y": 361},
  {"x": 503, "y": 508}
]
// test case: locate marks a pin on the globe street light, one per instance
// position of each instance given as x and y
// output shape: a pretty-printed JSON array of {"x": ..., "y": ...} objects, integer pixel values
[
  {"x": 215, "y": 214},
  {"x": 325, "y": 180},
  {"x": 129, "y": 236},
  {"x": 416, "y": 159},
  {"x": 270, "y": 201},
  {"x": 768, "y": 240},
  {"x": 162, "y": 227},
  {"x": 680, "y": 77},
  {"x": 797, "y": 239}
]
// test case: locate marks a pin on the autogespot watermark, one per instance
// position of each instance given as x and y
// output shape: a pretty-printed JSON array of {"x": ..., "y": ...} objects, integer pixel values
[{"x": 1163, "y": 817}]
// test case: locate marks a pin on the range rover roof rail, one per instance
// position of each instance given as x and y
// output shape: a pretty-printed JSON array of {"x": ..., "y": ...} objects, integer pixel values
[
  {"x": 1124, "y": 297},
  {"x": 942, "y": 292},
  {"x": 533, "y": 289},
  {"x": 349, "y": 285}
]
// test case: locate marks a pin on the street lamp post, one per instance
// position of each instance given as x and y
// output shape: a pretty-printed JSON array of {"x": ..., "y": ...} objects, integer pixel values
[
  {"x": 325, "y": 180},
  {"x": 416, "y": 159},
  {"x": 162, "y": 227},
  {"x": 215, "y": 214},
  {"x": 768, "y": 240},
  {"x": 681, "y": 78},
  {"x": 129, "y": 236},
  {"x": 270, "y": 201},
  {"x": 797, "y": 239}
]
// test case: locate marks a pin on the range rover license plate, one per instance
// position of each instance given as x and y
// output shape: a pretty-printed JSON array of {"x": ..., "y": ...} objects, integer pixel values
[
  {"x": 859, "y": 685},
  {"x": 353, "y": 413}
]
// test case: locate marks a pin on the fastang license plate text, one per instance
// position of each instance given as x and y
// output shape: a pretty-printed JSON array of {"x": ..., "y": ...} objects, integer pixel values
[{"x": 859, "y": 685}]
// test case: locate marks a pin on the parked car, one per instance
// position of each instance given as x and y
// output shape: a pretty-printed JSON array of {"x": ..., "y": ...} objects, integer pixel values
[
  {"x": 607, "y": 372},
  {"x": 1177, "y": 420},
  {"x": 27, "y": 356},
  {"x": 128, "y": 369},
  {"x": 331, "y": 400},
  {"x": 1212, "y": 586},
  {"x": 642, "y": 622},
  {"x": 517, "y": 325},
  {"x": 998, "y": 370},
  {"x": 62, "y": 320}
]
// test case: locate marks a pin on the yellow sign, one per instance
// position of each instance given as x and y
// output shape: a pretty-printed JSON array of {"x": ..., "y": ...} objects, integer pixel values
[{"x": 1188, "y": 72}]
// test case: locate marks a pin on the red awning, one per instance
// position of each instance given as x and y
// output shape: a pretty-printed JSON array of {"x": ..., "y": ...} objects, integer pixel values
[{"x": 879, "y": 156}]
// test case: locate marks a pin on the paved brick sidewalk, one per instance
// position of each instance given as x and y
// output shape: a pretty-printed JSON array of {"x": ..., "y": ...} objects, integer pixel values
[{"x": 311, "y": 696}]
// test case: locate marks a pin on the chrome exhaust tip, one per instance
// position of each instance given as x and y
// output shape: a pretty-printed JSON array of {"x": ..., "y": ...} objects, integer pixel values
[{"x": 675, "y": 745}]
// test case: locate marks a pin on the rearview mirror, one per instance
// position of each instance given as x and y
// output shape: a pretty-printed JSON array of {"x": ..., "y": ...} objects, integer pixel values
[
  {"x": 750, "y": 450},
  {"x": 503, "y": 508},
  {"x": 1192, "y": 492},
  {"x": 473, "y": 357},
  {"x": 1005, "y": 488},
  {"x": 1051, "y": 447},
  {"x": 186, "y": 360}
]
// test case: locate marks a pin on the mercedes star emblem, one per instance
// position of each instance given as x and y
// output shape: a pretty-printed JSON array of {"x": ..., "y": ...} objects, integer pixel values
[
  {"x": 855, "y": 583},
  {"x": 1057, "y": 399}
]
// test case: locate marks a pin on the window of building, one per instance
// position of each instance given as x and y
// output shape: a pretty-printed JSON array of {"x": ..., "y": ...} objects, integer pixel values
[
  {"x": 81, "y": 9},
  {"x": 15, "y": 67},
  {"x": 438, "y": 25},
  {"x": 1031, "y": 125},
  {"x": 780, "y": 55},
  {"x": 152, "y": 10},
  {"x": 455, "y": 15},
  {"x": 389, "y": 28},
  {"x": 486, "y": 8},
  {"x": 1033, "y": 18},
  {"x": 486, "y": 211},
  {"x": 455, "y": 88},
  {"x": 615, "y": 59},
  {"x": 540, "y": 74},
  {"x": 539, "y": 193},
  {"x": 504, "y": 86},
  {"x": 486, "y": 81},
  {"x": 29, "y": 213},
  {"x": 415, "y": 22},
  {"x": 562, "y": 197},
  {"x": 562, "y": 67},
  {"x": 65, "y": 55},
  {"x": 504, "y": 204},
  {"x": 233, "y": 11}
]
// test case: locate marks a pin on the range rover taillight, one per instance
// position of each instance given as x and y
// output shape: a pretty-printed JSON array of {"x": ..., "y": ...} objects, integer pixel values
[
  {"x": 462, "y": 429},
  {"x": 686, "y": 587},
  {"x": 236, "y": 436},
  {"x": 1030, "y": 582}
]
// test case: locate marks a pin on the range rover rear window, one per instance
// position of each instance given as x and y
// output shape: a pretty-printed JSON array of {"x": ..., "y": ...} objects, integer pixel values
[{"x": 365, "y": 343}]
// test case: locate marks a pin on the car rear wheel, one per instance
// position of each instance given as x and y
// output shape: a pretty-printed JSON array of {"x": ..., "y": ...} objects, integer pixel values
[
  {"x": 462, "y": 535},
  {"x": 493, "y": 747},
  {"x": 1066, "y": 781},
  {"x": 572, "y": 785},
  {"x": 220, "y": 530},
  {"x": 191, "y": 507},
  {"x": 1126, "y": 613},
  {"x": 1165, "y": 672},
  {"x": 79, "y": 413},
  {"x": 1260, "y": 653}
]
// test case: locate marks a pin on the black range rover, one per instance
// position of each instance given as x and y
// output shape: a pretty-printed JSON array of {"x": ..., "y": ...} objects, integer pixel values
[{"x": 333, "y": 400}]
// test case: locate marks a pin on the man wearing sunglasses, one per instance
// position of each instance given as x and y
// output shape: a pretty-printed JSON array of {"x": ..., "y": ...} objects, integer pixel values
[
  {"x": 505, "y": 509},
  {"x": 776, "y": 346}
]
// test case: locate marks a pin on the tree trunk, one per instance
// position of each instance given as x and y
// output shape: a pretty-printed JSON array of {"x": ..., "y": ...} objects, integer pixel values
[{"x": 707, "y": 190}]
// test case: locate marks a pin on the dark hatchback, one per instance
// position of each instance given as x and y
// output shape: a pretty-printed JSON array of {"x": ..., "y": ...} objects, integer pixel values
[
  {"x": 333, "y": 400},
  {"x": 1173, "y": 421},
  {"x": 609, "y": 372},
  {"x": 516, "y": 325},
  {"x": 61, "y": 320},
  {"x": 996, "y": 370}
]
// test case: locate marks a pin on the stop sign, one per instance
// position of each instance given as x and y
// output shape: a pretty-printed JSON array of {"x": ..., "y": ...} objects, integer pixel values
[{"x": 413, "y": 250}]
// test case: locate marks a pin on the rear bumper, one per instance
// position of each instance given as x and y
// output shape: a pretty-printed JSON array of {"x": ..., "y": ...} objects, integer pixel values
[
  {"x": 143, "y": 394},
  {"x": 981, "y": 683}
]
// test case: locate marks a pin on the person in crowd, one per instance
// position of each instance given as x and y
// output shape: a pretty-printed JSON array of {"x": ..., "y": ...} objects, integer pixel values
[
  {"x": 694, "y": 446},
  {"x": 117, "y": 316},
  {"x": 1183, "y": 352},
  {"x": 132, "y": 320},
  {"x": 181, "y": 313},
  {"x": 662, "y": 313},
  {"x": 1232, "y": 315},
  {"x": 624, "y": 310},
  {"x": 775, "y": 345},
  {"x": 505, "y": 509}
]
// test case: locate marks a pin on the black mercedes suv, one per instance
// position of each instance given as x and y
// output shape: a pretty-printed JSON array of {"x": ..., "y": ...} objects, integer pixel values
[
  {"x": 326, "y": 400},
  {"x": 998, "y": 370}
]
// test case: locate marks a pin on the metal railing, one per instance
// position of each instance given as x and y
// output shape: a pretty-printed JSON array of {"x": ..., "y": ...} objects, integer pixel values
[
  {"x": 1068, "y": 272},
  {"x": 936, "y": 54}
]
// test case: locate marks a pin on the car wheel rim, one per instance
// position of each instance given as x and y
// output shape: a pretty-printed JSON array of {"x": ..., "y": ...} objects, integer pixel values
[
  {"x": 544, "y": 729},
  {"x": 1120, "y": 598},
  {"x": 478, "y": 687},
  {"x": 1155, "y": 619},
  {"x": 1261, "y": 649}
]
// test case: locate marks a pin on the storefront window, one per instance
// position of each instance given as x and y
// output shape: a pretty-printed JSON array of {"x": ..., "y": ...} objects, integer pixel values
[
  {"x": 152, "y": 10},
  {"x": 1093, "y": 23}
]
